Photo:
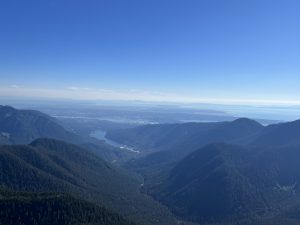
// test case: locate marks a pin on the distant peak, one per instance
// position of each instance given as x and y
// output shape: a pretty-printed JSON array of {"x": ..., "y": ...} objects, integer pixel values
[
  {"x": 246, "y": 121},
  {"x": 7, "y": 107}
]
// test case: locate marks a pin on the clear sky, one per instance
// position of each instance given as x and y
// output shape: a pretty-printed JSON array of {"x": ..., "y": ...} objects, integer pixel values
[{"x": 245, "y": 51}]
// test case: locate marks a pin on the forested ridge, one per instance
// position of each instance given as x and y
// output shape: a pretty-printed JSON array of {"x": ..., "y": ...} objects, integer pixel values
[{"x": 21, "y": 208}]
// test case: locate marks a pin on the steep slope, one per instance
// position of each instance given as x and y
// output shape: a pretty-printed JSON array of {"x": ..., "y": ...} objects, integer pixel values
[
  {"x": 47, "y": 165},
  {"x": 152, "y": 138},
  {"x": 278, "y": 135},
  {"x": 182, "y": 139},
  {"x": 52, "y": 165},
  {"x": 24, "y": 126},
  {"x": 222, "y": 182},
  {"x": 207, "y": 185},
  {"x": 107, "y": 152},
  {"x": 53, "y": 209}
]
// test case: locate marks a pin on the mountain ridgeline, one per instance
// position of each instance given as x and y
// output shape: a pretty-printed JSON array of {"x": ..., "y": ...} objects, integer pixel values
[
  {"x": 162, "y": 137},
  {"x": 190, "y": 136},
  {"x": 220, "y": 173},
  {"x": 168, "y": 143},
  {"x": 48, "y": 165},
  {"x": 222, "y": 182},
  {"x": 52, "y": 165},
  {"x": 24, "y": 126}
]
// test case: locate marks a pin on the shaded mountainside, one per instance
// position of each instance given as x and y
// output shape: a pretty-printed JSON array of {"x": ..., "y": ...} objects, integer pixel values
[
  {"x": 24, "y": 126},
  {"x": 53, "y": 160},
  {"x": 282, "y": 134},
  {"x": 222, "y": 182},
  {"x": 109, "y": 153},
  {"x": 50, "y": 165},
  {"x": 225, "y": 173},
  {"x": 288, "y": 216},
  {"x": 182, "y": 139},
  {"x": 53, "y": 209},
  {"x": 152, "y": 138}
]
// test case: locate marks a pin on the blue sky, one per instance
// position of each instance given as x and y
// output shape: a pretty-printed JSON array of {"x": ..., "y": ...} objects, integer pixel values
[{"x": 233, "y": 51}]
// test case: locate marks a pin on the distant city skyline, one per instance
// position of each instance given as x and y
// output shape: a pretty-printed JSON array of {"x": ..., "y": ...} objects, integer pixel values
[{"x": 223, "y": 52}]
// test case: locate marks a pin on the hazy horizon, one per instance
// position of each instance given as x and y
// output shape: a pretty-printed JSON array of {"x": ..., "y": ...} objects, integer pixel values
[{"x": 233, "y": 52}]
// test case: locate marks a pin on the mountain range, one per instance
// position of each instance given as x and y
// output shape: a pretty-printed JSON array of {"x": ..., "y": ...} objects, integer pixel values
[
  {"x": 48, "y": 165},
  {"x": 52, "y": 165},
  {"x": 24, "y": 126},
  {"x": 225, "y": 173},
  {"x": 220, "y": 172},
  {"x": 223, "y": 182}
]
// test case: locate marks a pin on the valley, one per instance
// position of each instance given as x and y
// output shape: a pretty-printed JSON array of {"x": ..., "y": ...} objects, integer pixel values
[
  {"x": 101, "y": 135},
  {"x": 223, "y": 173}
]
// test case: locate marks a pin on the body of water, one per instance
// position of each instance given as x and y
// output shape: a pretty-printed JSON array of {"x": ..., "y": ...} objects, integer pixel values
[{"x": 100, "y": 135}]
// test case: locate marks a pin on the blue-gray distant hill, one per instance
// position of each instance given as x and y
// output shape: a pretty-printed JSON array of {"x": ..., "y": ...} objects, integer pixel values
[
  {"x": 222, "y": 182},
  {"x": 237, "y": 172},
  {"x": 24, "y": 126}
]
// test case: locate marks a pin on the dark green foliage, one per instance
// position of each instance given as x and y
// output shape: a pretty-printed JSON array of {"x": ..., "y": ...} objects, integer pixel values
[
  {"x": 53, "y": 209},
  {"x": 50, "y": 165}
]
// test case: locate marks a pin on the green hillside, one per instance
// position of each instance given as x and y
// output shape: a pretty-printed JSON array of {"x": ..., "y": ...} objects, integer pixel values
[
  {"x": 48, "y": 165},
  {"x": 53, "y": 209}
]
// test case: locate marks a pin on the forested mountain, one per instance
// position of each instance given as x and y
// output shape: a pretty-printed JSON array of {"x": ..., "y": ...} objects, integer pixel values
[
  {"x": 187, "y": 137},
  {"x": 249, "y": 180},
  {"x": 172, "y": 142},
  {"x": 24, "y": 126},
  {"x": 225, "y": 173},
  {"x": 222, "y": 182},
  {"x": 20, "y": 208},
  {"x": 52, "y": 165},
  {"x": 278, "y": 135},
  {"x": 153, "y": 138}
]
